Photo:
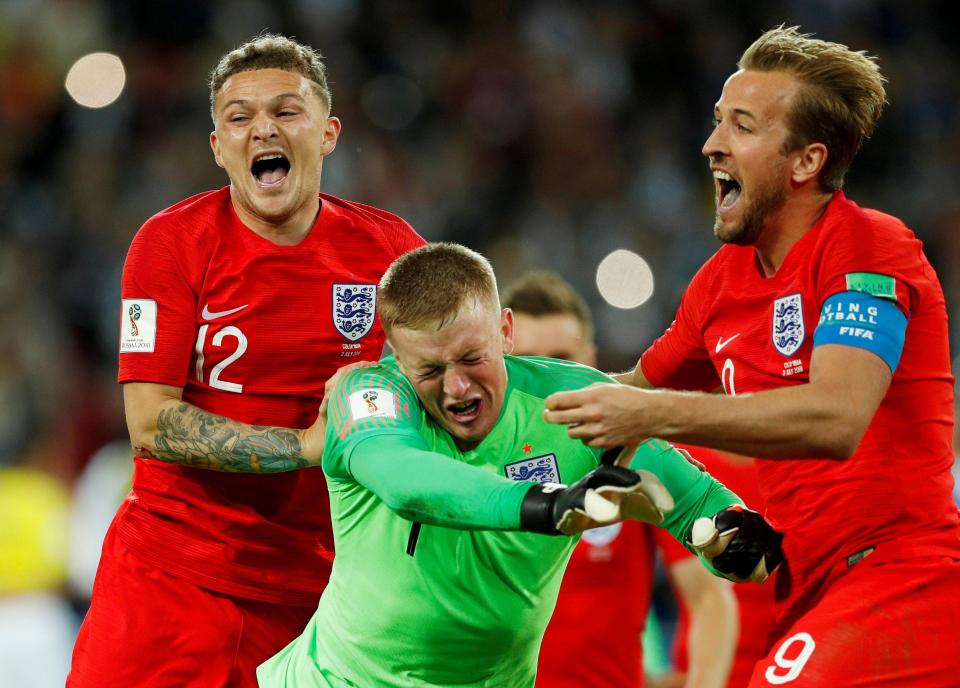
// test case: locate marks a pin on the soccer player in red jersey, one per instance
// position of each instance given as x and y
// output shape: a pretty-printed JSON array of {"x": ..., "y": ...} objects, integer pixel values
[
  {"x": 826, "y": 326},
  {"x": 606, "y": 591},
  {"x": 238, "y": 304}
]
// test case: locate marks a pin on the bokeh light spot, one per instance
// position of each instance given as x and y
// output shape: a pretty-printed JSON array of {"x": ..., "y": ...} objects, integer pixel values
[
  {"x": 624, "y": 279},
  {"x": 96, "y": 80}
]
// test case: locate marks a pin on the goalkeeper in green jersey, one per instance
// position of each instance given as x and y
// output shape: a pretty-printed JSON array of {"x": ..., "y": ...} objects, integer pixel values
[{"x": 447, "y": 496}]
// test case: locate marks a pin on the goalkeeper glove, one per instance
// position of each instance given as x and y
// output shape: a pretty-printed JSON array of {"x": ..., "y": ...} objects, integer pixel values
[
  {"x": 605, "y": 495},
  {"x": 738, "y": 543}
]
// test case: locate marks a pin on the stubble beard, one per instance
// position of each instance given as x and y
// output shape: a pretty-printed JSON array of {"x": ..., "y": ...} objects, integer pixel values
[{"x": 769, "y": 199}]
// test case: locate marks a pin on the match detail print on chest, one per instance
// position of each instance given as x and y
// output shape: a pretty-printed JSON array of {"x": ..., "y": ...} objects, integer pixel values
[{"x": 789, "y": 332}]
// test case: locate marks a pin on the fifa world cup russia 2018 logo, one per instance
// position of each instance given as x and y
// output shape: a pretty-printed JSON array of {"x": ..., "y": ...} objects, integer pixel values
[
  {"x": 371, "y": 398},
  {"x": 134, "y": 313}
]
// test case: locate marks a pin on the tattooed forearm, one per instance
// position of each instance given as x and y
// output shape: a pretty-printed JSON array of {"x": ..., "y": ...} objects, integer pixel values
[{"x": 191, "y": 436}]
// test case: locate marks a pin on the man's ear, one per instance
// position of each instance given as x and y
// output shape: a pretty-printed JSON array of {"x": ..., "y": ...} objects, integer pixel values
[
  {"x": 331, "y": 132},
  {"x": 808, "y": 162},
  {"x": 506, "y": 330},
  {"x": 215, "y": 146}
]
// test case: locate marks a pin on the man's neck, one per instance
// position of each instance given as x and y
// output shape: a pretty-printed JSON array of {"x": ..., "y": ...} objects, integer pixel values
[
  {"x": 286, "y": 232},
  {"x": 786, "y": 227}
]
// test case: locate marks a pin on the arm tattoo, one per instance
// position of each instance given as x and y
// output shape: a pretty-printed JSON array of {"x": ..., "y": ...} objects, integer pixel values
[{"x": 191, "y": 436}]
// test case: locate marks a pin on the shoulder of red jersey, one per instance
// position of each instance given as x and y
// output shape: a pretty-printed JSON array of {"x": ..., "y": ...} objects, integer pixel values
[
  {"x": 398, "y": 231},
  {"x": 873, "y": 250},
  {"x": 728, "y": 260},
  {"x": 866, "y": 223},
  {"x": 722, "y": 256},
  {"x": 197, "y": 202},
  {"x": 863, "y": 239},
  {"x": 183, "y": 233},
  {"x": 371, "y": 213},
  {"x": 192, "y": 216}
]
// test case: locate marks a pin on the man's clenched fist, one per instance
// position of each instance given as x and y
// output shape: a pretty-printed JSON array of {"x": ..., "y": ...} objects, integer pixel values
[{"x": 738, "y": 543}]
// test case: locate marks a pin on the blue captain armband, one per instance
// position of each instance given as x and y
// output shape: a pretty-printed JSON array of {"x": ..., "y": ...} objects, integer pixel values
[{"x": 864, "y": 321}]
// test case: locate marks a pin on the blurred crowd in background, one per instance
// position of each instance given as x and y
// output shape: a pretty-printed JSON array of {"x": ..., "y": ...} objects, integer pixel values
[{"x": 543, "y": 134}]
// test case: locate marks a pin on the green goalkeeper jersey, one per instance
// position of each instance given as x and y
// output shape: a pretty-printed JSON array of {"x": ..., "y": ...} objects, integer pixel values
[{"x": 429, "y": 585}]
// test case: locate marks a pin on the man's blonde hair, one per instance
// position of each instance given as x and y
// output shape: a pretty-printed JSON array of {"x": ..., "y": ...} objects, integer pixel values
[
  {"x": 840, "y": 98},
  {"x": 429, "y": 286},
  {"x": 272, "y": 51}
]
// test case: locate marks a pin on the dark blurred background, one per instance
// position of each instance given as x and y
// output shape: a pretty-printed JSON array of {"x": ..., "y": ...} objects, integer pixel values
[{"x": 544, "y": 134}]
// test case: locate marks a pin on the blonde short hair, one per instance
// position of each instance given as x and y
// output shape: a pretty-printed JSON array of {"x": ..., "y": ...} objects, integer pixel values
[
  {"x": 840, "y": 99},
  {"x": 430, "y": 285},
  {"x": 272, "y": 51}
]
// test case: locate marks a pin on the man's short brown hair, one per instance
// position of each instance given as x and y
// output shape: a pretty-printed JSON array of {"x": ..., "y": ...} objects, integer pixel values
[
  {"x": 541, "y": 292},
  {"x": 272, "y": 51},
  {"x": 840, "y": 98},
  {"x": 429, "y": 286}
]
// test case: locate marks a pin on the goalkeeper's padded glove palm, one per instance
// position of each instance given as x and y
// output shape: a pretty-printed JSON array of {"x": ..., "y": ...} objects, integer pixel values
[
  {"x": 605, "y": 495},
  {"x": 739, "y": 544}
]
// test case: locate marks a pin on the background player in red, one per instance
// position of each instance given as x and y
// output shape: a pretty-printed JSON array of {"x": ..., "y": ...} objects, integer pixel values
[
  {"x": 594, "y": 637},
  {"x": 237, "y": 305},
  {"x": 826, "y": 326}
]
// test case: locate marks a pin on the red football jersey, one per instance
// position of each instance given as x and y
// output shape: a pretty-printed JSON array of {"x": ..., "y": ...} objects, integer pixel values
[
  {"x": 593, "y": 639},
  {"x": 750, "y": 333},
  {"x": 251, "y": 331}
]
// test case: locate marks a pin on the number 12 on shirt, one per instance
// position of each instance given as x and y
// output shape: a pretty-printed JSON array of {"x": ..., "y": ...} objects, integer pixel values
[{"x": 217, "y": 371}]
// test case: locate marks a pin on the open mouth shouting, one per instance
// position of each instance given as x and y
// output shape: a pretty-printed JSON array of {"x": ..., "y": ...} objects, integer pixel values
[
  {"x": 728, "y": 190},
  {"x": 270, "y": 169},
  {"x": 464, "y": 412}
]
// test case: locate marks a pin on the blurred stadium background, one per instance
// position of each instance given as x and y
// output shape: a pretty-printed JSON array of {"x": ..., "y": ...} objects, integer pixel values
[{"x": 544, "y": 134}]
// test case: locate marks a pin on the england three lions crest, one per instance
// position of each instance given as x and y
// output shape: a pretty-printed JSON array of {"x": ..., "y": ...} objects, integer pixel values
[
  {"x": 539, "y": 469},
  {"x": 788, "y": 330},
  {"x": 354, "y": 308}
]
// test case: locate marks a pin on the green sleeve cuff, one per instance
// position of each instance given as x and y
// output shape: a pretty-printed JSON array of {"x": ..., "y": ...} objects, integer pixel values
[{"x": 695, "y": 493}]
